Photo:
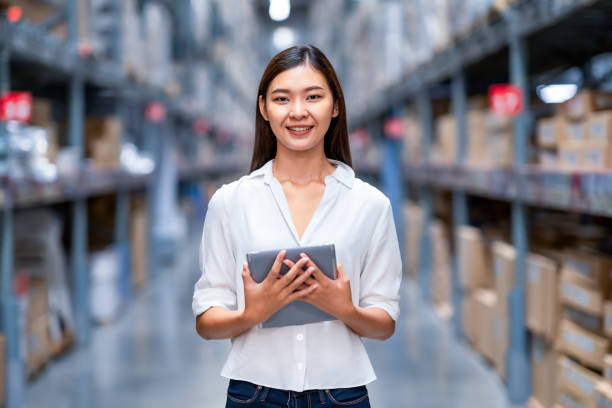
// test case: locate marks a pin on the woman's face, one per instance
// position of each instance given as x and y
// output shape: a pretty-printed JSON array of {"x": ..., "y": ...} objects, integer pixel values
[{"x": 299, "y": 106}]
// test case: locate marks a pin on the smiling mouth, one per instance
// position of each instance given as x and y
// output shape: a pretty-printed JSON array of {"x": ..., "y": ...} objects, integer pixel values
[{"x": 299, "y": 130}]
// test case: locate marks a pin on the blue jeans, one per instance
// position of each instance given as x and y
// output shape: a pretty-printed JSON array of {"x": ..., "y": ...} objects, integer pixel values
[{"x": 246, "y": 394}]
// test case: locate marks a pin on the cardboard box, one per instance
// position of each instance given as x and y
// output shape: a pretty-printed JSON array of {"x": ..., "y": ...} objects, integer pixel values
[
  {"x": 36, "y": 11},
  {"x": 500, "y": 343},
  {"x": 573, "y": 132},
  {"x": 596, "y": 155},
  {"x": 476, "y": 135},
  {"x": 413, "y": 217},
  {"x": 607, "y": 322},
  {"x": 544, "y": 371},
  {"x": 139, "y": 246},
  {"x": 578, "y": 293},
  {"x": 570, "y": 156},
  {"x": 568, "y": 399},
  {"x": 473, "y": 259},
  {"x": 103, "y": 140},
  {"x": 548, "y": 131},
  {"x": 579, "y": 380},
  {"x": 599, "y": 127},
  {"x": 38, "y": 345},
  {"x": 441, "y": 263},
  {"x": 38, "y": 305},
  {"x": 469, "y": 318},
  {"x": 587, "y": 321},
  {"x": 542, "y": 294},
  {"x": 583, "y": 345},
  {"x": 585, "y": 102},
  {"x": 608, "y": 368},
  {"x": 504, "y": 258},
  {"x": 446, "y": 131},
  {"x": 486, "y": 303},
  {"x": 593, "y": 267},
  {"x": 603, "y": 395},
  {"x": 500, "y": 149},
  {"x": 548, "y": 158}
]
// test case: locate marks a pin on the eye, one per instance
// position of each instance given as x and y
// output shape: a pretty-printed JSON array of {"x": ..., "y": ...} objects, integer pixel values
[
  {"x": 281, "y": 99},
  {"x": 313, "y": 97}
]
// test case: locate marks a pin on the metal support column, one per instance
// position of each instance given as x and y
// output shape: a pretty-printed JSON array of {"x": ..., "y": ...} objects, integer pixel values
[
  {"x": 392, "y": 182},
  {"x": 460, "y": 211},
  {"x": 426, "y": 194},
  {"x": 122, "y": 220},
  {"x": 14, "y": 369},
  {"x": 151, "y": 146},
  {"x": 517, "y": 359},
  {"x": 79, "y": 258}
]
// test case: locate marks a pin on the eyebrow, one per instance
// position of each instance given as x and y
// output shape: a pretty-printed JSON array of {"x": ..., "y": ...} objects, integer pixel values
[{"x": 310, "y": 88}]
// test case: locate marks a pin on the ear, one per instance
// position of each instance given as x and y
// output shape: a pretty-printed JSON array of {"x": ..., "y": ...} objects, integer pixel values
[
  {"x": 336, "y": 111},
  {"x": 262, "y": 108}
]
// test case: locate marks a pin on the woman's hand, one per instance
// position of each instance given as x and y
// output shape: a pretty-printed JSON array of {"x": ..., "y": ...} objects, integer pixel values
[
  {"x": 332, "y": 295},
  {"x": 264, "y": 299}
]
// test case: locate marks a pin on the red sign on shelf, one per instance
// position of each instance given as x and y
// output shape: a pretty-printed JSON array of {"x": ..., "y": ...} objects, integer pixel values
[
  {"x": 505, "y": 99},
  {"x": 155, "y": 112},
  {"x": 16, "y": 106}
]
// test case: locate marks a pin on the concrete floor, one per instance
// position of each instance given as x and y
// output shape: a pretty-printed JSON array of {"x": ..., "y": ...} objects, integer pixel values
[{"x": 152, "y": 357}]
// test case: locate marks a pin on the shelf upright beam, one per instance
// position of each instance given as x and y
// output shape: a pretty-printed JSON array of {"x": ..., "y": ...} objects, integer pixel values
[
  {"x": 391, "y": 179},
  {"x": 122, "y": 217},
  {"x": 460, "y": 210},
  {"x": 517, "y": 359},
  {"x": 14, "y": 366},
  {"x": 426, "y": 194}
]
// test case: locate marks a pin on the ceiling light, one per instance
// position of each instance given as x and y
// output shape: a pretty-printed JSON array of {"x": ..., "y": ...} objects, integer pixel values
[
  {"x": 279, "y": 10},
  {"x": 556, "y": 93},
  {"x": 283, "y": 38}
]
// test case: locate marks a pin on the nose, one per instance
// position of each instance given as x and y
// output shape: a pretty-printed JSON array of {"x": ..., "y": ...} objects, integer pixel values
[{"x": 298, "y": 110}]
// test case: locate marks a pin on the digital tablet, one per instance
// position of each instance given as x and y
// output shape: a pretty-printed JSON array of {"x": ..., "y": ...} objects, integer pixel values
[{"x": 296, "y": 312}]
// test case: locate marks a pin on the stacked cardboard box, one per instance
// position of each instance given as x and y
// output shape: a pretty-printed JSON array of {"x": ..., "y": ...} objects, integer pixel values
[
  {"x": 577, "y": 382},
  {"x": 444, "y": 151},
  {"x": 441, "y": 263},
  {"x": 542, "y": 296},
  {"x": 504, "y": 259},
  {"x": 585, "y": 140},
  {"x": 413, "y": 218},
  {"x": 473, "y": 259},
  {"x": 38, "y": 349},
  {"x": 139, "y": 244},
  {"x": 544, "y": 359},
  {"x": 103, "y": 140}
]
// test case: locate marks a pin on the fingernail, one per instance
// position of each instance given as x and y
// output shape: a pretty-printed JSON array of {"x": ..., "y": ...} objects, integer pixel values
[{"x": 244, "y": 265}]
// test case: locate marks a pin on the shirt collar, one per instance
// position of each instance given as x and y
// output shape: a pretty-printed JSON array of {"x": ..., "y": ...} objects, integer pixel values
[{"x": 343, "y": 173}]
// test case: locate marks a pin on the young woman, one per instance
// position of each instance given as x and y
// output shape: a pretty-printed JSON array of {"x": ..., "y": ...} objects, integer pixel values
[{"x": 301, "y": 191}]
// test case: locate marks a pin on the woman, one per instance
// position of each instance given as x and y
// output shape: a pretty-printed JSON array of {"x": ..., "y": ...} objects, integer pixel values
[{"x": 301, "y": 191}]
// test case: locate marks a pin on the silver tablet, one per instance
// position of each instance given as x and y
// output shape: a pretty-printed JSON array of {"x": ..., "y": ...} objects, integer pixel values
[{"x": 297, "y": 312}]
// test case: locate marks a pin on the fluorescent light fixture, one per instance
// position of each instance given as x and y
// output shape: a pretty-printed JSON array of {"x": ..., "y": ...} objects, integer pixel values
[
  {"x": 279, "y": 10},
  {"x": 283, "y": 37},
  {"x": 556, "y": 93}
]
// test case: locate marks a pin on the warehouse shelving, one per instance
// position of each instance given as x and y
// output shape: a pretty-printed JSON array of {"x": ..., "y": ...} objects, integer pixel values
[
  {"x": 35, "y": 49},
  {"x": 523, "y": 39}
]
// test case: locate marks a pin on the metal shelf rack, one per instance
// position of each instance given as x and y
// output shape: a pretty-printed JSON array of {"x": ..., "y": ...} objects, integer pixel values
[{"x": 522, "y": 40}]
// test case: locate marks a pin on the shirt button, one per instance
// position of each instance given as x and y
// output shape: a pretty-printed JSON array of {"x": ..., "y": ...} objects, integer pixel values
[
  {"x": 300, "y": 366},
  {"x": 300, "y": 337}
]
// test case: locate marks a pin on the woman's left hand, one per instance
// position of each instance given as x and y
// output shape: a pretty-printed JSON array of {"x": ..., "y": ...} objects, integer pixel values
[{"x": 332, "y": 295}]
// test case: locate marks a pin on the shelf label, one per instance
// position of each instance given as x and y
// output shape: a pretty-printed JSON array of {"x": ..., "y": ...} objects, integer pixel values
[
  {"x": 155, "y": 112},
  {"x": 505, "y": 99},
  {"x": 16, "y": 106}
]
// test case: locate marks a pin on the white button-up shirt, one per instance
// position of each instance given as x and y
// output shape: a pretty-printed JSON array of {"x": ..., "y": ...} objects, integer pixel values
[{"x": 252, "y": 214}]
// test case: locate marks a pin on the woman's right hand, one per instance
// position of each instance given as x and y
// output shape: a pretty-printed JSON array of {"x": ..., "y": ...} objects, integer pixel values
[{"x": 264, "y": 299}]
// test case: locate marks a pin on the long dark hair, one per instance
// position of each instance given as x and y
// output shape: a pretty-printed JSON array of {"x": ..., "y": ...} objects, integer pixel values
[{"x": 336, "y": 142}]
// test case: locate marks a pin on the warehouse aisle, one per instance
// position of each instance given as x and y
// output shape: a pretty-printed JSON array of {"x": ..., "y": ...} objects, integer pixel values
[{"x": 153, "y": 358}]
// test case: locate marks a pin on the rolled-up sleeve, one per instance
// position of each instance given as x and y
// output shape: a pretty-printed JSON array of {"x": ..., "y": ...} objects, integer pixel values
[
  {"x": 382, "y": 269},
  {"x": 217, "y": 285}
]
